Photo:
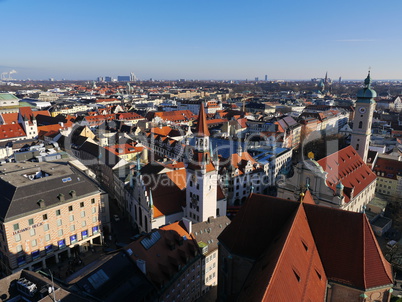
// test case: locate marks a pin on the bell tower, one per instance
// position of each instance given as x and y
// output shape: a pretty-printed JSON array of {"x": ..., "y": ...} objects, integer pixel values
[
  {"x": 202, "y": 176},
  {"x": 365, "y": 105}
]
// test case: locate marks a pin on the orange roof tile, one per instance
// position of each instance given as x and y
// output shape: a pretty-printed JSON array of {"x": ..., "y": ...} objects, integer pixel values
[
  {"x": 41, "y": 112},
  {"x": 202, "y": 126},
  {"x": 10, "y": 118},
  {"x": 347, "y": 166},
  {"x": 11, "y": 131}
]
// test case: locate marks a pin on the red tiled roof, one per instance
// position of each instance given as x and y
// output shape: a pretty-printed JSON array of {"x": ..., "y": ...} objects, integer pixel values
[
  {"x": 168, "y": 191},
  {"x": 10, "y": 118},
  {"x": 390, "y": 167},
  {"x": 11, "y": 131},
  {"x": 202, "y": 126},
  {"x": 173, "y": 116},
  {"x": 251, "y": 224},
  {"x": 26, "y": 112},
  {"x": 347, "y": 166},
  {"x": 291, "y": 263},
  {"x": 165, "y": 254},
  {"x": 219, "y": 193},
  {"x": 99, "y": 119},
  {"x": 129, "y": 116},
  {"x": 240, "y": 162},
  {"x": 348, "y": 248},
  {"x": 122, "y": 149},
  {"x": 289, "y": 241},
  {"x": 164, "y": 131},
  {"x": 41, "y": 112}
]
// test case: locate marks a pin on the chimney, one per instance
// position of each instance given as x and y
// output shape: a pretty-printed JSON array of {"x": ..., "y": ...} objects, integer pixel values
[
  {"x": 188, "y": 224},
  {"x": 142, "y": 266},
  {"x": 73, "y": 194},
  {"x": 41, "y": 203}
]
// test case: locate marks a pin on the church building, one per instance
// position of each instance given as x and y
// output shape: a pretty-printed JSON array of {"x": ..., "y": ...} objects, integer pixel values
[{"x": 342, "y": 179}]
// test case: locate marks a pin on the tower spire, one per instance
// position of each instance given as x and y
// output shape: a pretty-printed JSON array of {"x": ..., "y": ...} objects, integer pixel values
[{"x": 202, "y": 127}]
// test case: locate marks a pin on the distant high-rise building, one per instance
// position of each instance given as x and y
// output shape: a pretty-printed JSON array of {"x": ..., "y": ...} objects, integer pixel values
[
  {"x": 133, "y": 78},
  {"x": 340, "y": 80},
  {"x": 101, "y": 79},
  {"x": 108, "y": 79},
  {"x": 266, "y": 78},
  {"x": 256, "y": 79},
  {"x": 123, "y": 78}
]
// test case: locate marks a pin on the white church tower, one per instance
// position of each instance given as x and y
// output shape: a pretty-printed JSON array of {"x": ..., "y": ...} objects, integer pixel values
[
  {"x": 202, "y": 176},
  {"x": 365, "y": 105}
]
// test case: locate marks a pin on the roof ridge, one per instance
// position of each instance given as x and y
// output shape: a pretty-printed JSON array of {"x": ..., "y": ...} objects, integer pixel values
[
  {"x": 385, "y": 263},
  {"x": 364, "y": 252},
  {"x": 280, "y": 256}
]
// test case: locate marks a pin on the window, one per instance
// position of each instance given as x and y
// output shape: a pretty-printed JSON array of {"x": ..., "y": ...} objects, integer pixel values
[
  {"x": 44, "y": 216},
  {"x": 47, "y": 237},
  {"x": 46, "y": 227},
  {"x": 17, "y": 237},
  {"x": 21, "y": 260},
  {"x": 297, "y": 276},
  {"x": 18, "y": 248},
  {"x": 95, "y": 230},
  {"x": 31, "y": 221},
  {"x": 71, "y": 217},
  {"x": 73, "y": 239},
  {"x": 94, "y": 219},
  {"x": 82, "y": 204},
  {"x": 84, "y": 234},
  {"x": 70, "y": 208},
  {"x": 59, "y": 222},
  {"x": 60, "y": 232},
  {"x": 93, "y": 210},
  {"x": 57, "y": 212},
  {"x": 357, "y": 147},
  {"x": 16, "y": 226},
  {"x": 83, "y": 214},
  {"x": 93, "y": 200},
  {"x": 360, "y": 124},
  {"x": 32, "y": 232},
  {"x": 34, "y": 242},
  {"x": 61, "y": 243},
  {"x": 72, "y": 227},
  {"x": 83, "y": 223}
]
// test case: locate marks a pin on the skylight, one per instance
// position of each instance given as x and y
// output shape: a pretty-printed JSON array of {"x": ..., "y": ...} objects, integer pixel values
[{"x": 150, "y": 240}]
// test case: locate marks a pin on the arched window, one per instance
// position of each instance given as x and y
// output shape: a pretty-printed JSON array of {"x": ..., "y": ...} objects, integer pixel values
[
  {"x": 357, "y": 147},
  {"x": 360, "y": 124}
]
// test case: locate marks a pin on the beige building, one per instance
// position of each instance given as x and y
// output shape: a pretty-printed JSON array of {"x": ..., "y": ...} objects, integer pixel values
[
  {"x": 389, "y": 176},
  {"x": 49, "y": 211}
]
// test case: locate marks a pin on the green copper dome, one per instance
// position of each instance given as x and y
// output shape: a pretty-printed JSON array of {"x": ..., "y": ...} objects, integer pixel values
[
  {"x": 340, "y": 186},
  {"x": 367, "y": 92}
]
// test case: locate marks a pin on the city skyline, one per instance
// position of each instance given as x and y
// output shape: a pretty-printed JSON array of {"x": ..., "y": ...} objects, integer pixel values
[{"x": 209, "y": 40}]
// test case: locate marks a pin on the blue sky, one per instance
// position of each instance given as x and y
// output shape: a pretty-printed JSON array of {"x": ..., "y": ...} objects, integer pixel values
[{"x": 190, "y": 39}]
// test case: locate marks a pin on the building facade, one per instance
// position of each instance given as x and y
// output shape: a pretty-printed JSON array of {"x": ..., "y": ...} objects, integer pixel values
[
  {"x": 365, "y": 106},
  {"x": 50, "y": 210}
]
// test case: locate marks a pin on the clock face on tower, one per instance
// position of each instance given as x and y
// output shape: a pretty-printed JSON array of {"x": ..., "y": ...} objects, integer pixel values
[{"x": 362, "y": 110}]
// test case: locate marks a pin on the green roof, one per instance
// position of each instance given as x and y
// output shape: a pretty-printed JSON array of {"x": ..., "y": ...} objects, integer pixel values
[
  {"x": 7, "y": 97},
  {"x": 202, "y": 244},
  {"x": 25, "y": 104}
]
